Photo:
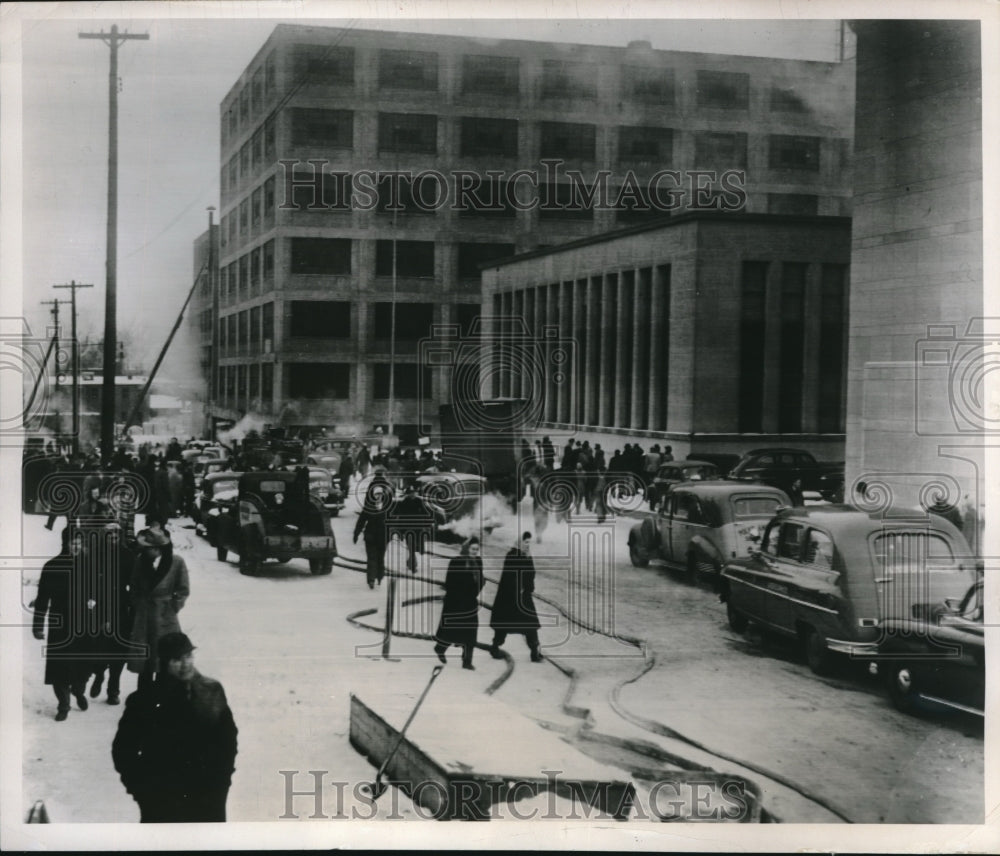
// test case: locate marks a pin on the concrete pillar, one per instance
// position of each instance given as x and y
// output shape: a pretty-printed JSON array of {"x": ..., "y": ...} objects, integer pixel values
[
  {"x": 812, "y": 321},
  {"x": 640, "y": 348},
  {"x": 622, "y": 332},
  {"x": 772, "y": 349},
  {"x": 575, "y": 369},
  {"x": 590, "y": 358},
  {"x": 551, "y": 319},
  {"x": 517, "y": 341},
  {"x": 565, "y": 330},
  {"x": 608, "y": 309},
  {"x": 654, "y": 418}
]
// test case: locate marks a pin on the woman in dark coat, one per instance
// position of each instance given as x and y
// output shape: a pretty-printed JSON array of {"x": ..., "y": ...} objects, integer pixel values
[
  {"x": 66, "y": 597},
  {"x": 159, "y": 589},
  {"x": 460, "y": 613},
  {"x": 513, "y": 606}
]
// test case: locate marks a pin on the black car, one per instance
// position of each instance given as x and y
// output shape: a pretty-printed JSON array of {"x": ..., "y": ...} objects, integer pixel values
[
  {"x": 216, "y": 490},
  {"x": 269, "y": 521},
  {"x": 939, "y": 661}
]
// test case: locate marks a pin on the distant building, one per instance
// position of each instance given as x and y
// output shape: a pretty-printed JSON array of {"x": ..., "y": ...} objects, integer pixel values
[
  {"x": 711, "y": 332},
  {"x": 919, "y": 346},
  {"x": 309, "y": 270}
]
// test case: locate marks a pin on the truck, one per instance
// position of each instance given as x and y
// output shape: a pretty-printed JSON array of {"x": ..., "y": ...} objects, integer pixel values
[
  {"x": 482, "y": 437},
  {"x": 780, "y": 468}
]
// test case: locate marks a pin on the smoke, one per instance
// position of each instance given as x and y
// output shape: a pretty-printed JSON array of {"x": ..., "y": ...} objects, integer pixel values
[
  {"x": 250, "y": 422},
  {"x": 492, "y": 513}
]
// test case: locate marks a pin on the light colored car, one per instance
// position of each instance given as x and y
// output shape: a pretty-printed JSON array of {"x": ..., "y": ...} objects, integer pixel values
[{"x": 700, "y": 525}]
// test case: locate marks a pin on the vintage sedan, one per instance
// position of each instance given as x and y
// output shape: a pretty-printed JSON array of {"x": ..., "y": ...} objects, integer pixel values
[
  {"x": 326, "y": 488},
  {"x": 701, "y": 525},
  {"x": 216, "y": 489},
  {"x": 832, "y": 576},
  {"x": 937, "y": 662}
]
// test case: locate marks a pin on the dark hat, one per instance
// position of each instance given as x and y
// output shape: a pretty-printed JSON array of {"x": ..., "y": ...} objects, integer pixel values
[
  {"x": 173, "y": 646},
  {"x": 149, "y": 538}
]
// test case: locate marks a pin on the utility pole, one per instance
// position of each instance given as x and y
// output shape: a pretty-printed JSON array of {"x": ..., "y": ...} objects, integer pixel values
[
  {"x": 112, "y": 40},
  {"x": 73, "y": 285},
  {"x": 55, "y": 326}
]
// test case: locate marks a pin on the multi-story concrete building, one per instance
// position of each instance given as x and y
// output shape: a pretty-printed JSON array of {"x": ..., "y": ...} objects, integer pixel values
[
  {"x": 311, "y": 263},
  {"x": 708, "y": 332}
]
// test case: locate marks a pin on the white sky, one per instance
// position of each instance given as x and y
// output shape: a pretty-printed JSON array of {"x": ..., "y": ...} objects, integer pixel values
[{"x": 168, "y": 138}]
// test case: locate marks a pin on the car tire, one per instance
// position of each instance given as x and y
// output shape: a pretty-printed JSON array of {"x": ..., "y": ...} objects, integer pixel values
[
  {"x": 737, "y": 620},
  {"x": 818, "y": 656},
  {"x": 249, "y": 566},
  {"x": 221, "y": 553},
  {"x": 639, "y": 555},
  {"x": 901, "y": 687},
  {"x": 321, "y": 567}
]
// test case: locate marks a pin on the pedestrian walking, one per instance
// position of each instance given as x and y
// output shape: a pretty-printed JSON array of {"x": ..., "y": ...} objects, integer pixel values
[
  {"x": 514, "y": 606},
  {"x": 175, "y": 748},
  {"x": 373, "y": 524},
  {"x": 111, "y": 648},
  {"x": 66, "y": 597},
  {"x": 795, "y": 494},
  {"x": 364, "y": 461},
  {"x": 548, "y": 453},
  {"x": 159, "y": 590},
  {"x": 459, "y": 623},
  {"x": 413, "y": 520}
]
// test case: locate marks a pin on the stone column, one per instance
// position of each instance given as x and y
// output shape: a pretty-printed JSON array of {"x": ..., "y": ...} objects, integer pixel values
[
  {"x": 623, "y": 329},
  {"x": 654, "y": 418},
  {"x": 640, "y": 348},
  {"x": 590, "y": 380},
  {"x": 609, "y": 292}
]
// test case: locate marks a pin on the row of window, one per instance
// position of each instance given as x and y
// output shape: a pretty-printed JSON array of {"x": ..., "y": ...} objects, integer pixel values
[
  {"x": 334, "y": 66},
  {"x": 245, "y": 386},
  {"x": 257, "y": 153},
  {"x": 251, "y": 100},
  {"x": 247, "y": 276},
  {"x": 251, "y": 331}
]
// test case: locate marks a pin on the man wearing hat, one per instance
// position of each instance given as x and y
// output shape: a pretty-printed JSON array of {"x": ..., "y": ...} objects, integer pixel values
[
  {"x": 175, "y": 748},
  {"x": 159, "y": 589}
]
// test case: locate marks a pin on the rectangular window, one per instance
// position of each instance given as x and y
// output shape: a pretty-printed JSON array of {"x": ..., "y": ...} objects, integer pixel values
[
  {"x": 232, "y": 229},
  {"x": 643, "y": 83},
  {"x": 833, "y": 315},
  {"x": 413, "y": 258},
  {"x": 726, "y": 90},
  {"x": 255, "y": 330},
  {"x": 241, "y": 387},
  {"x": 490, "y": 75},
  {"x": 255, "y": 270},
  {"x": 793, "y": 287},
  {"x": 233, "y": 119},
  {"x": 488, "y": 198},
  {"x": 792, "y": 152},
  {"x": 413, "y": 320},
  {"x": 785, "y": 100},
  {"x": 267, "y": 327},
  {"x": 270, "y": 81},
  {"x": 244, "y": 331},
  {"x": 470, "y": 256},
  {"x": 254, "y": 391},
  {"x": 231, "y": 334},
  {"x": 407, "y": 70},
  {"x": 751, "y": 388},
  {"x": 559, "y": 202},
  {"x": 256, "y": 151},
  {"x": 488, "y": 137},
  {"x": 800, "y": 204},
  {"x": 641, "y": 144},
  {"x": 223, "y": 185},
  {"x": 720, "y": 151},
  {"x": 267, "y": 263},
  {"x": 407, "y": 132},
  {"x": 402, "y": 195},
  {"x": 327, "y": 128},
  {"x": 329, "y": 256},
  {"x": 319, "y": 319},
  {"x": 270, "y": 141},
  {"x": 322, "y": 65},
  {"x": 266, "y": 385},
  {"x": 244, "y": 286},
  {"x": 245, "y": 160},
  {"x": 255, "y": 198},
  {"x": 568, "y": 140},
  {"x": 469, "y": 318},
  {"x": 244, "y": 216},
  {"x": 224, "y": 231},
  {"x": 568, "y": 79},
  {"x": 245, "y": 105},
  {"x": 268, "y": 211},
  {"x": 234, "y": 173},
  {"x": 257, "y": 89},
  {"x": 409, "y": 381},
  {"x": 319, "y": 380}
]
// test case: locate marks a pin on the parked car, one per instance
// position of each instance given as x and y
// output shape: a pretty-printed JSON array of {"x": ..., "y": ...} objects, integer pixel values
[
  {"x": 700, "y": 525},
  {"x": 676, "y": 472},
  {"x": 938, "y": 661},
  {"x": 268, "y": 522},
  {"x": 216, "y": 490},
  {"x": 832, "y": 576},
  {"x": 782, "y": 467},
  {"x": 326, "y": 488}
]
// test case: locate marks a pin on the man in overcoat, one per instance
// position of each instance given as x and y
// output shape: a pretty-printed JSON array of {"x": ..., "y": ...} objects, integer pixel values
[
  {"x": 372, "y": 522},
  {"x": 175, "y": 748},
  {"x": 459, "y": 623},
  {"x": 514, "y": 606}
]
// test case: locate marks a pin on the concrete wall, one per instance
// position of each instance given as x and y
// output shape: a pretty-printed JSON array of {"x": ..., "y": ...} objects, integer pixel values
[{"x": 916, "y": 265}]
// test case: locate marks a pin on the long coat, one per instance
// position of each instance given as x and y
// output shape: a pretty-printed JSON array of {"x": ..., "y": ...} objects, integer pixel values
[
  {"x": 175, "y": 750},
  {"x": 460, "y": 612},
  {"x": 64, "y": 591},
  {"x": 158, "y": 594},
  {"x": 513, "y": 606}
]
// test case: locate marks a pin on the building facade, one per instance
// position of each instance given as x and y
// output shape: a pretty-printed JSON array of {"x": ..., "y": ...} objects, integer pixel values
[
  {"x": 318, "y": 241},
  {"x": 920, "y": 347},
  {"x": 712, "y": 332}
]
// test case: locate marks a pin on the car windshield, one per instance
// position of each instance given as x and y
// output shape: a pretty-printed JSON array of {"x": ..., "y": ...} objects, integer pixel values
[
  {"x": 223, "y": 484},
  {"x": 754, "y": 506},
  {"x": 272, "y": 486}
]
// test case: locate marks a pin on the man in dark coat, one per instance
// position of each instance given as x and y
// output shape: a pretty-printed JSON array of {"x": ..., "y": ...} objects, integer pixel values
[
  {"x": 513, "y": 606},
  {"x": 460, "y": 612},
  {"x": 413, "y": 520},
  {"x": 175, "y": 747},
  {"x": 67, "y": 596},
  {"x": 372, "y": 521},
  {"x": 112, "y": 647}
]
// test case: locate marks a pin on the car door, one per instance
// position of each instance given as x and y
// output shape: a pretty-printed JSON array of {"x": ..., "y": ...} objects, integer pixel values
[
  {"x": 813, "y": 594},
  {"x": 782, "y": 578},
  {"x": 685, "y": 516},
  {"x": 749, "y": 577}
]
